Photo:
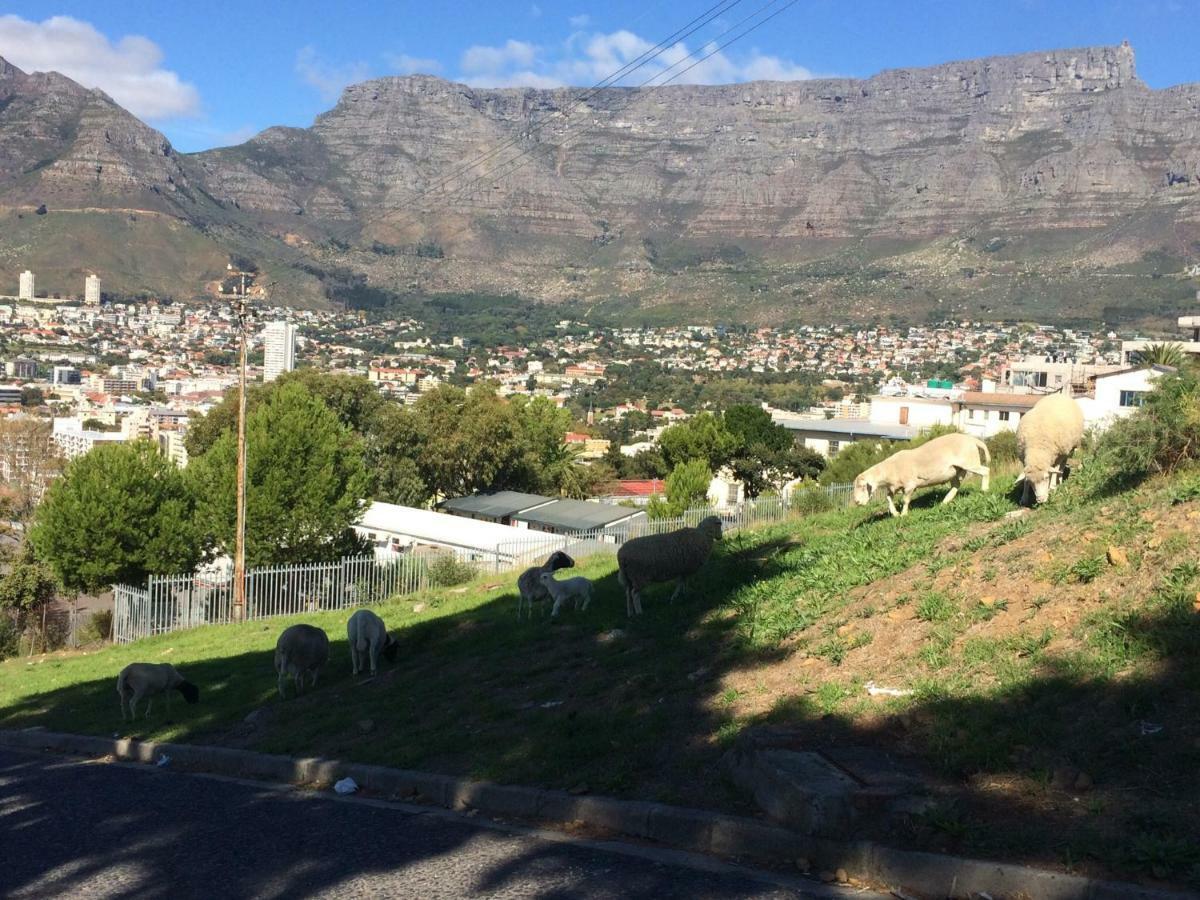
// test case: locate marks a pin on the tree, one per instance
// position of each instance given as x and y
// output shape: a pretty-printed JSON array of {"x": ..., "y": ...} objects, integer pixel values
[
  {"x": 853, "y": 459},
  {"x": 687, "y": 486},
  {"x": 1165, "y": 354},
  {"x": 32, "y": 396},
  {"x": 29, "y": 460},
  {"x": 27, "y": 590},
  {"x": 703, "y": 436},
  {"x": 118, "y": 514},
  {"x": 305, "y": 478}
]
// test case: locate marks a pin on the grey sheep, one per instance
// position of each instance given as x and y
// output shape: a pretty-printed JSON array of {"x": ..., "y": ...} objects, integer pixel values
[
  {"x": 301, "y": 650},
  {"x": 1046, "y": 437},
  {"x": 529, "y": 584},
  {"x": 138, "y": 680},
  {"x": 664, "y": 557},
  {"x": 368, "y": 638}
]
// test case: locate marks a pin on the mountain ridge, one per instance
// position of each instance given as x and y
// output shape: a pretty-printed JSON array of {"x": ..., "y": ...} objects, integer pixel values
[{"x": 967, "y": 187}]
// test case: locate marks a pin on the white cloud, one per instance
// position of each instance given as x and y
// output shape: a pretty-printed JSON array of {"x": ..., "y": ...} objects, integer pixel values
[
  {"x": 581, "y": 21},
  {"x": 412, "y": 65},
  {"x": 329, "y": 79},
  {"x": 129, "y": 70},
  {"x": 586, "y": 59}
]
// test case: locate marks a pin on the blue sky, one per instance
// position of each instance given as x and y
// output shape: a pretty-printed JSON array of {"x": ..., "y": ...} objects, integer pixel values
[{"x": 213, "y": 73}]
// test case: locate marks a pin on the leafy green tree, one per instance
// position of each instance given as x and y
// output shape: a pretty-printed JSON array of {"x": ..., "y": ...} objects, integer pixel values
[
  {"x": 26, "y": 591},
  {"x": 305, "y": 478},
  {"x": 686, "y": 487},
  {"x": 752, "y": 426},
  {"x": 853, "y": 459},
  {"x": 117, "y": 514},
  {"x": 1165, "y": 354},
  {"x": 704, "y": 437}
]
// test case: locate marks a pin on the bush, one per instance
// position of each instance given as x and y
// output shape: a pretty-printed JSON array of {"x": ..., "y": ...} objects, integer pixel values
[
  {"x": 447, "y": 571},
  {"x": 810, "y": 500},
  {"x": 10, "y": 637},
  {"x": 97, "y": 628},
  {"x": 1003, "y": 447},
  {"x": 849, "y": 462}
]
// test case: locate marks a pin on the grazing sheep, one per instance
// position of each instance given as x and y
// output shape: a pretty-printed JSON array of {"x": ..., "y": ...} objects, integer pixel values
[
  {"x": 301, "y": 650},
  {"x": 1046, "y": 437},
  {"x": 138, "y": 680},
  {"x": 657, "y": 558},
  {"x": 368, "y": 638},
  {"x": 579, "y": 588},
  {"x": 949, "y": 458},
  {"x": 529, "y": 584}
]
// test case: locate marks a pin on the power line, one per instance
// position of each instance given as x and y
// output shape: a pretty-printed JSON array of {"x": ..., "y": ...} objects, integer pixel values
[
  {"x": 515, "y": 162},
  {"x": 648, "y": 56}
]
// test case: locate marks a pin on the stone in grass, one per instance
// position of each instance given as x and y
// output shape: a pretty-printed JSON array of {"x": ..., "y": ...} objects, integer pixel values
[{"x": 1117, "y": 557}]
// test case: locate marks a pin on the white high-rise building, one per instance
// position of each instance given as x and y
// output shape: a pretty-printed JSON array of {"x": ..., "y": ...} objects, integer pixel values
[
  {"x": 25, "y": 292},
  {"x": 91, "y": 290},
  {"x": 279, "y": 349}
]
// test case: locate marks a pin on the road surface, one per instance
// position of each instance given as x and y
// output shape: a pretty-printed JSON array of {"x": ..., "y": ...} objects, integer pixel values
[{"x": 86, "y": 830}]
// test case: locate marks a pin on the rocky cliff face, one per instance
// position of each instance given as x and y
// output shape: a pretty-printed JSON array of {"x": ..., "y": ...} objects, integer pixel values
[{"x": 1048, "y": 163}]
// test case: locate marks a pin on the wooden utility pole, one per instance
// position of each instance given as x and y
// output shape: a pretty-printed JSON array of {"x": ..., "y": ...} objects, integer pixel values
[{"x": 239, "y": 547}]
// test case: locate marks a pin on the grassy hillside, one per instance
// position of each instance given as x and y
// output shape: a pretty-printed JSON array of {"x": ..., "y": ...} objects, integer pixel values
[{"x": 1055, "y": 692}]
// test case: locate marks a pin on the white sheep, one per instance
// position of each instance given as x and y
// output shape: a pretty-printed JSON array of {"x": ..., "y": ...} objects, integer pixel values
[
  {"x": 301, "y": 650},
  {"x": 656, "y": 558},
  {"x": 949, "y": 458},
  {"x": 577, "y": 588},
  {"x": 529, "y": 584},
  {"x": 1046, "y": 437},
  {"x": 138, "y": 680},
  {"x": 368, "y": 638}
]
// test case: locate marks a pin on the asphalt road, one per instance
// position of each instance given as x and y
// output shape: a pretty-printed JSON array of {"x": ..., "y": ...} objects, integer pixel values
[{"x": 89, "y": 829}]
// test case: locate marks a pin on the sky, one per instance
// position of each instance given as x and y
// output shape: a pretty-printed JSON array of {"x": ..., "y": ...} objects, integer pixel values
[{"x": 214, "y": 73}]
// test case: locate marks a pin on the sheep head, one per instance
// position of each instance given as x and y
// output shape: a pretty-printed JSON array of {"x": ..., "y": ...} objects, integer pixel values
[
  {"x": 559, "y": 560},
  {"x": 190, "y": 692},
  {"x": 1038, "y": 478},
  {"x": 863, "y": 488},
  {"x": 711, "y": 527}
]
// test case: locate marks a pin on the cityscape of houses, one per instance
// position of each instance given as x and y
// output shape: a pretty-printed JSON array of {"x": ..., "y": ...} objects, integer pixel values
[{"x": 116, "y": 370}]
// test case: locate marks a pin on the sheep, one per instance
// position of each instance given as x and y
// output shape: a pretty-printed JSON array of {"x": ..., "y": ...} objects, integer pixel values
[
  {"x": 579, "y": 588},
  {"x": 656, "y": 558},
  {"x": 368, "y": 638},
  {"x": 301, "y": 650},
  {"x": 138, "y": 680},
  {"x": 1046, "y": 437},
  {"x": 949, "y": 458},
  {"x": 529, "y": 584}
]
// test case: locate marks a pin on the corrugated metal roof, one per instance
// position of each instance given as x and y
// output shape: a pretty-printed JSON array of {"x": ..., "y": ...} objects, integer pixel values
[
  {"x": 577, "y": 515},
  {"x": 496, "y": 505},
  {"x": 849, "y": 428},
  {"x": 426, "y": 526}
]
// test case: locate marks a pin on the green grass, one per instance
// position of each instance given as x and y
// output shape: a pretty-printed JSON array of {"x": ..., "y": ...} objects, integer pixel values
[{"x": 642, "y": 708}]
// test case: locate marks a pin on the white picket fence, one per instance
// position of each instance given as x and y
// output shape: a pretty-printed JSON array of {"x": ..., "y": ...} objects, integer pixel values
[{"x": 172, "y": 602}]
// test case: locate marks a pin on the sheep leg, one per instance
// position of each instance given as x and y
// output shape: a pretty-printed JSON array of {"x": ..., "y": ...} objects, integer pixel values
[
  {"x": 133, "y": 707},
  {"x": 637, "y": 601},
  {"x": 149, "y": 706},
  {"x": 678, "y": 590},
  {"x": 375, "y": 648},
  {"x": 891, "y": 504},
  {"x": 279, "y": 684},
  {"x": 907, "y": 500},
  {"x": 954, "y": 483}
]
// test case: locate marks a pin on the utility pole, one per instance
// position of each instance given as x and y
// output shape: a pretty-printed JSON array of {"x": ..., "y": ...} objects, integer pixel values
[{"x": 239, "y": 547}]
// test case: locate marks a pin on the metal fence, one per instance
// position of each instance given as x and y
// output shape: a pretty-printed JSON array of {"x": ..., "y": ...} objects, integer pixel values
[
  {"x": 171, "y": 602},
  {"x": 522, "y": 552}
]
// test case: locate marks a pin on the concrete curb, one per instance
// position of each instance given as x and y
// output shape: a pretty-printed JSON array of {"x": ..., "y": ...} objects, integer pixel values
[{"x": 915, "y": 874}]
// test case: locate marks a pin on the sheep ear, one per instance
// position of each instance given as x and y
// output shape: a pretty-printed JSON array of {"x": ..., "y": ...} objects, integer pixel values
[{"x": 1020, "y": 478}]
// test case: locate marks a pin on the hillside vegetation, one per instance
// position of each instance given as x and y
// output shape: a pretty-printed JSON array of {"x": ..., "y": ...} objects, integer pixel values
[{"x": 1051, "y": 656}]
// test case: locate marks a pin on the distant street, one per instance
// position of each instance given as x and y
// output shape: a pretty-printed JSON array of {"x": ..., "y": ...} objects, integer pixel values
[{"x": 84, "y": 830}]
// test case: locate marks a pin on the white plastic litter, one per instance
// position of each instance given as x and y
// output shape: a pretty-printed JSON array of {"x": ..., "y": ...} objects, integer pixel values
[
  {"x": 163, "y": 760},
  {"x": 346, "y": 786},
  {"x": 876, "y": 691},
  {"x": 550, "y": 704},
  {"x": 1148, "y": 728}
]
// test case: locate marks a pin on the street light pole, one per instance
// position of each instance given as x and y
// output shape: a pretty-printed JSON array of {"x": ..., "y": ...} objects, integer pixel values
[{"x": 239, "y": 551}]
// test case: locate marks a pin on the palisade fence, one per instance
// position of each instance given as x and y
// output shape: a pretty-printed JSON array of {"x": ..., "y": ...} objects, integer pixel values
[
  {"x": 172, "y": 602},
  {"x": 522, "y": 552}
]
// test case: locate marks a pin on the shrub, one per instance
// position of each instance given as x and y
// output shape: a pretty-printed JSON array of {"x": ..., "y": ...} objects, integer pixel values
[
  {"x": 852, "y": 460},
  {"x": 810, "y": 500},
  {"x": 447, "y": 571},
  {"x": 97, "y": 628},
  {"x": 1003, "y": 447},
  {"x": 10, "y": 637},
  {"x": 1161, "y": 437}
]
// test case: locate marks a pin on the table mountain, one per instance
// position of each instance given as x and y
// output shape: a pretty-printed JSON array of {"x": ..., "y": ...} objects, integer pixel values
[{"x": 1051, "y": 184}]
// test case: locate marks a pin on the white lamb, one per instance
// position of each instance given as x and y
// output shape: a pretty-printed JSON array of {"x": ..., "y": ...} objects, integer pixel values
[
  {"x": 138, "y": 680},
  {"x": 949, "y": 458},
  {"x": 529, "y": 584},
  {"x": 1047, "y": 436},
  {"x": 577, "y": 588},
  {"x": 655, "y": 558},
  {"x": 301, "y": 650},
  {"x": 368, "y": 638}
]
